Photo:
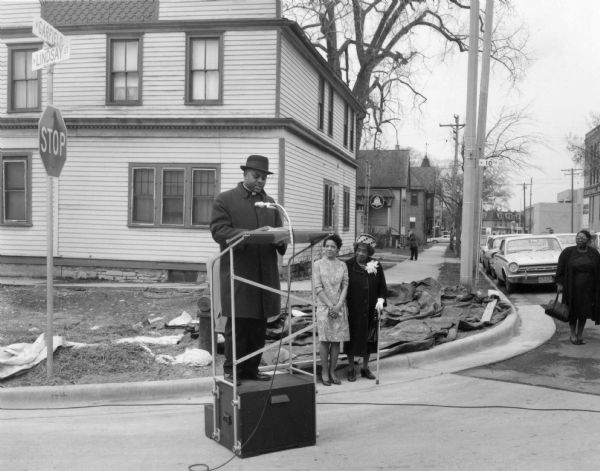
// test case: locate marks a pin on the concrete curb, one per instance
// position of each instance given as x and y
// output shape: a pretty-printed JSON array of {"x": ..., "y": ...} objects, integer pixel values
[{"x": 188, "y": 388}]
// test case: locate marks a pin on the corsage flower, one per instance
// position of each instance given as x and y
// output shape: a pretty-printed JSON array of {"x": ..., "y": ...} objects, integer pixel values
[{"x": 372, "y": 267}]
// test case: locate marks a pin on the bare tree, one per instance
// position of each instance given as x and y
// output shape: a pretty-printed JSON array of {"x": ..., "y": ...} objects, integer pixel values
[
  {"x": 576, "y": 146},
  {"x": 508, "y": 145},
  {"x": 370, "y": 39}
]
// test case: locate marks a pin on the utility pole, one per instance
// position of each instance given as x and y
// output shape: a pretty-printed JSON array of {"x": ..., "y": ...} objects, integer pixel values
[
  {"x": 525, "y": 231},
  {"x": 481, "y": 129},
  {"x": 572, "y": 171},
  {"x": 470, "y": 159},
  {"x": 455, "y": 128}
]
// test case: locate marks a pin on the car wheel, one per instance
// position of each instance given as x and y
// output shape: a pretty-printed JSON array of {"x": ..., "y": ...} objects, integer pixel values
[{"x": 434, "y": 241}]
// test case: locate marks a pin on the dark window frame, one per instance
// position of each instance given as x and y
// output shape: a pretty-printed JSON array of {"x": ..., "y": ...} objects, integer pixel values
[
  {"x": 330, "y": 111},
  {"x": 10, "y": 81},
  {"x": 321, "y": 105},
  {"x": 352, "y": 128},
  {"x": 110, "y": 99},
  {"x": 158, "y": 195},
  {"x": 190, "y": 37},
  {"x": 329, "y": 206},
  {"x": 25, "y": 157},
  {"x": 414, "y": 198},
  {"x": 346, "y": 217},
  {"x": 346, "y": 126}
]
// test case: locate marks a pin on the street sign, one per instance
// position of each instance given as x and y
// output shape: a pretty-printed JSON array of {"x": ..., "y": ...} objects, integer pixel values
[
  {"x": 53, "y": 140},
  {"x": 60, "y": 46},
  {"x": 50, "y": 56},
  {"x": 44, "y": 30},
  {"x": 486, "y": 162}
]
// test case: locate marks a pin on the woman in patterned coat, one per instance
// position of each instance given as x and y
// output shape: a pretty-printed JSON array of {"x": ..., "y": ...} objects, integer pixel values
[{"x": 330, "y": 277}]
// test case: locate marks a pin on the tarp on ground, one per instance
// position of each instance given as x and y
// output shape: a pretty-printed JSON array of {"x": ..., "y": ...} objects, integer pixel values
[{"x": 418, "y": 316}]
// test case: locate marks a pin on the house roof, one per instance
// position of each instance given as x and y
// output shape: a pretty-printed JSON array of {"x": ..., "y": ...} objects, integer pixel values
[
  {"x": 93, "y": 12},
  {"x": 423, "y": 178},
  {"x": 388, "y": 168}
]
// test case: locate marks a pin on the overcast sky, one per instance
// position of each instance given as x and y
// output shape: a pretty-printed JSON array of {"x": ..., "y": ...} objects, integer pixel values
[{"x": 561, "y": 86}]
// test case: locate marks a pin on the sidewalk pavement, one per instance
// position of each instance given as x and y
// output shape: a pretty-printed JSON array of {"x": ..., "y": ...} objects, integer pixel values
[{"x": 521, "y": 331}]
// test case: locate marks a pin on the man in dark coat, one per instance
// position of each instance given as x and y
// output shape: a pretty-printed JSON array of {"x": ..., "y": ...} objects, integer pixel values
[{"x": 235, "y": 212}]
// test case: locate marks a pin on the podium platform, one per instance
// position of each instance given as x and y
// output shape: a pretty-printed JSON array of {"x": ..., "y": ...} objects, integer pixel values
[
  {"x": 271, "y": 417},
  {"x": 262, "y": 416}
]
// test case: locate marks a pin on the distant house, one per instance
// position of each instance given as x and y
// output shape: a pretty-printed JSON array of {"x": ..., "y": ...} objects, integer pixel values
[
  {"x": 163, "y": 101},
  {"x": 394, "y": 198}
]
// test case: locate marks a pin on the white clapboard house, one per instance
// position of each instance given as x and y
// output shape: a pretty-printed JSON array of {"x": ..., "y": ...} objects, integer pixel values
[{"x": 163, "y": 101}]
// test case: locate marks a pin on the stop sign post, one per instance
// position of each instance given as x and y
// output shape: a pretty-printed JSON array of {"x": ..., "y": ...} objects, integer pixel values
[{"x": 53, "y": 140}]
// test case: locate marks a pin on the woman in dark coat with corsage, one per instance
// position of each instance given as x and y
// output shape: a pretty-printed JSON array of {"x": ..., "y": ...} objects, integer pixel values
[
  {"x": 578, "y": 278},
  {"x": 367, "y": 292}
]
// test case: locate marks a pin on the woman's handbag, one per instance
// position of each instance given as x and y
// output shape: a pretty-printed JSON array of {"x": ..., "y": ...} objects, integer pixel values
[{"x": 557, "y": 310}]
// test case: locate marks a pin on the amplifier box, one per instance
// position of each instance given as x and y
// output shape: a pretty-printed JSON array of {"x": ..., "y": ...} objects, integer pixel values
[{"x": 269, "y": 418}]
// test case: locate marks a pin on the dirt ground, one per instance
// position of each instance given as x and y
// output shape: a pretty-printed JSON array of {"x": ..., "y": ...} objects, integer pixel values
[{"x": 101, "y": 315}]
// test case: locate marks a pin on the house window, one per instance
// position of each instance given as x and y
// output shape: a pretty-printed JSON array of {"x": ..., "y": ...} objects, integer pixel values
[
  {"x": 15, "y": 183},
  {"x": 330, "y": 113},
  {"x": 172, "y": 195},
  {"x": 346, "y": 128},
  {"x": 351, "y": 137},
  {"x": 321, "y": 103},
  {"x": 346, "y": 221},
  {"x": 203, "y": 195},
  {"x": 125, "y": 66},
  {"x": 414, "y": 198},
  {"x": 329, "y": 219},
  {"x": 24, "y": 84},
  {"x": 143, "y": 196},
  {"x": 204, "y": 70}
]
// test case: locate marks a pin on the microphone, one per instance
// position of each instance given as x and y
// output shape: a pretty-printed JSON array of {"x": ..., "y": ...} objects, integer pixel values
[{"x": 262, "y": 204}]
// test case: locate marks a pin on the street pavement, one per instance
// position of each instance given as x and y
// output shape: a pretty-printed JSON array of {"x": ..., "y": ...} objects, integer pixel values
[{"x": 423, "y": 415}]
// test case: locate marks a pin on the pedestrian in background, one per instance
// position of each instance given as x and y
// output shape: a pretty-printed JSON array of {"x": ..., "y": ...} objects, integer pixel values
[
  {"x": 330, "y": 276},
  {"x": 578, "y": 278},
  {"x": 367, "y": 293},
  {"x": 235, "y": 212},
  {"x": 414, "y": 246}
]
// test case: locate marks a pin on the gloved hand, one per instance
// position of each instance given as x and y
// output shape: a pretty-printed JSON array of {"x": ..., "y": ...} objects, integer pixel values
[{"x": 379, "y": 305}]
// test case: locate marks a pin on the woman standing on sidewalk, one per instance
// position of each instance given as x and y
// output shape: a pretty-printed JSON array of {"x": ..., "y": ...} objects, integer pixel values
[
  {"x": 367, "y": 292},
  {"x": 577, "y": 278},
  {"x": 330, "y": 278}
]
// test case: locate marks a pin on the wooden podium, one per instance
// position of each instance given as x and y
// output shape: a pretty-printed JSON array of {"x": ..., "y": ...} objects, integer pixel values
[{"x": 260, "y": 417}]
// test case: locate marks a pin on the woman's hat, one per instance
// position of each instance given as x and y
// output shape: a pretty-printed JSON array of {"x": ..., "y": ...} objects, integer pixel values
[
  {"x": 367, "y": 239},
  {"x": 257, "y": 162}
]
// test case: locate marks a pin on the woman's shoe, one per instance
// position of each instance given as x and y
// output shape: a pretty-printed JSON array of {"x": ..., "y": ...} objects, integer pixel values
[
  {"x": 366, "y": 373},
  {"x": 335, "y": 380},
  {"x": 351, "y": 375},
  {"x": 325, "y": 382}
]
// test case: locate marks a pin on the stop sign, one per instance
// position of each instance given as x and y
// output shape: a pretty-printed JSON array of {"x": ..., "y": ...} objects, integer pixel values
[{"x": 53, "y": 140}]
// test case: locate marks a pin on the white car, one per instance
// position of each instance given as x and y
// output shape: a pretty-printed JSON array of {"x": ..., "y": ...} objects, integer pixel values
[
  {"x": 566, "y": 240},
  {"x": 527, "y": 259},
  {"x": 444, "y": 238},
  {"x": 488, "y": 250}
]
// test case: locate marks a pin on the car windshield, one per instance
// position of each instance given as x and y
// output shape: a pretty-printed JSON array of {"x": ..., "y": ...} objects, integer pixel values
[
  {"x": 531, "y": 245},
  {"x": 567, "y": 239}
]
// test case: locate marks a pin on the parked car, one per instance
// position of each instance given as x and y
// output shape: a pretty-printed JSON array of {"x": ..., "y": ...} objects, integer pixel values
[
  {"x": 443, "y": 238},
  {"x": 489, "y": 249},
  {"x": 526, "y": 259},
  {"x": 566, "y": 240}
]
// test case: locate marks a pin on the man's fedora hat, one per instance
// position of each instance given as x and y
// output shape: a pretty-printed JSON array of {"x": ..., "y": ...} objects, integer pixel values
[{"x": 257, "y": 162}]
